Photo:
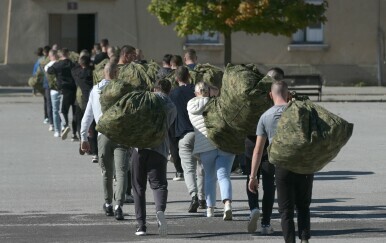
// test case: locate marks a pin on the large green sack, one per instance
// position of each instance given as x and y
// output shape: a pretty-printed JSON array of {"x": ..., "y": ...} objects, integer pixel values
[
  {"x": 210, "y": 74},
  {"x": 36, "y": 83},
  {"x": 152, "y": 69},
  {"x": 244, "y": 98},
  {"x": 135, "y": 74},
  {"x": 138, "y": 119},
  {"x": 73, "y": 56},
  {"x": 307, "y": 137},
  {"x": 98, "y": 72}
]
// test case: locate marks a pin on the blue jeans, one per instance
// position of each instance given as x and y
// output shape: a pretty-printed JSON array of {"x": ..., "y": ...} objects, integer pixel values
[
  {"x": 217, "y": 166},
  {"x": 55, "y": 101}
]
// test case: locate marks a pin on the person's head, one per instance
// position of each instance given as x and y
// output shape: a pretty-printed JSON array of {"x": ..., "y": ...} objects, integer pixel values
[
  {"x": 46, "y": 49},
  {"x": 279, "y": 92},
  {"x": 53, "y": 55},
  {"x": 55, "y": 47},
  {"x": 201, "y": 89},
  {"x": 110, "y": 70},
  {"x": 163, "y": 86},
  {"x": 63, "y": 53},
  {"x": 166, "y": 60},
  {"x": 182, "y": 75},
  {"x": 127, "y": 54},
  {"x": 190, "y": 57},
  {"x": 276, "y": 73},
  {"x": 97, "y": 48},
  {"x": 84, "y": 52},
  {"x": 175, "y": 62},
  {"x": 84, "y": 61},
  {"x": 104, "y": 44},
  {"x": 39, "y": 52},
  {"x": 113, "y": 51}
]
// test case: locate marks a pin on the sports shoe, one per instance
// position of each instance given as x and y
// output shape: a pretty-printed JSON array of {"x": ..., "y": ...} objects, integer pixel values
[
  {"x": 141, "y": 230},
  {"x": 227, "y": 211},
  {"x": 193, "y": 205},
  {"x": 179, "y": 177},
  {"x": 201, "y": 204},
  {"x": 51, "y": 128},
  {"x": 253, "y": 218},
  {"x": 118, "y": 213},
  {"x": 65, "y": 132},
  {"x": 162, "y": 226},
  {"x": 57, "y": 134},
  {"x": 74, "y": 138},
  {"x": 108, "y": 208},
  {"x": 129, "y": 198},
  {"x": 210, "y": 212},
  {"x": 267, "y": 230},
  {"x": 46, "y": 121},
  {"x": 95, "y": 159},
  {"x": 304, "y": 241}
]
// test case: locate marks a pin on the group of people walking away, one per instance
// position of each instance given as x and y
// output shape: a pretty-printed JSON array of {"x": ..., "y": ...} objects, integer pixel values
[{"x": 197, "y": 160}]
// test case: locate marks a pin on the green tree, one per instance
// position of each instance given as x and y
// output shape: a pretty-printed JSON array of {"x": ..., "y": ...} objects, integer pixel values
[{"x": 278, "y": 17}]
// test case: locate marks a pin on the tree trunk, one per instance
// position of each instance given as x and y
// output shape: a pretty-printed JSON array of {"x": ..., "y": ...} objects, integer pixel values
[{"x": 227, "y": 48}]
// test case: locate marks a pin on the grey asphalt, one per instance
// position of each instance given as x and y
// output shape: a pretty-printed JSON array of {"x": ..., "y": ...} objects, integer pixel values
[{"x": 50, "y": 193}]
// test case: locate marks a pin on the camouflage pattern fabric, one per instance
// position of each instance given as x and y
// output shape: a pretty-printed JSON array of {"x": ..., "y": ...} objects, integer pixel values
[
  {"x": 152, "y": 69},
  {"x": 138, "y": 119},
  {"x": 52, "y": 81},
  {"x": 307, "y": 137},
  {"x": 131, "y": 77},
  {"x": 210, "y": 74},
  {"x": 98, "y": 72},
  {"x": 244, "y": 98},
  {"x": 73, "y": 56},
  {"x": 36, "y": 82},
  {"x": 79, "y": 99}
]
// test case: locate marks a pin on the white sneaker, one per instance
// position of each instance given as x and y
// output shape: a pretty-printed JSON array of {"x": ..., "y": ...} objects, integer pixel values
[
  {"x": 57, "y": 134},
  {"x": 304, "y": 241},
  {"x": 227, "y": 212},
  {"x": 162, "y": 226},
  {"x": 253, "y": 218},
  {"x": 51, "y": 128},
  {"x": 209, "y": 212},
  {"x": 267, "y": 230},
  {"x": 65, "y": 132}
]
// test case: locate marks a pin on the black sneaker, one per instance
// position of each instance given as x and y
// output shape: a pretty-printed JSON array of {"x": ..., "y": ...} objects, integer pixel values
[
  {"x": 108, "y": 209},
  {"x": 74, "y": 138},
  {"x": 119, "y": 214},
  {"x": 202, "y": 204},
  {"x": 141, "y": 230},
  {"x": 193, "y": 205}
]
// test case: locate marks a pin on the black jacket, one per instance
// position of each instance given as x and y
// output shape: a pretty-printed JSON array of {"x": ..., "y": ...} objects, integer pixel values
[{"x": 62, "y": 71}]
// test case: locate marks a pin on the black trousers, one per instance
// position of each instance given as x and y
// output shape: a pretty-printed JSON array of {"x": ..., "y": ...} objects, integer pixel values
[
  {"x": 48, "y": 106},
  {"x": 151, "y": 166},
  {"x": 67, "y": 101},
  {"x": 267, "y": 171},
  {"x": 173, "y": 144},
  {"x": 294, "y": 190}
]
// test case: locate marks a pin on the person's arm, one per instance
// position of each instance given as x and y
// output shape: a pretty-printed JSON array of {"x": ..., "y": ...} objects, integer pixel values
[
  {"x": 85, "y": 125},
  {"x": 255, "y": 164}
]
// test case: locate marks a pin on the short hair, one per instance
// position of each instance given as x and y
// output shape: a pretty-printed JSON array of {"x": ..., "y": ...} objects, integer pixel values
[
  {"x": 111, "y": 68},
  {"x": 126, "y": 49},
  {"x": 115, "y": 50},
  {"x": 85, "y": 60},
  {"x": 163, "y": 85},
  {"x": 104, "y": 42},
  {"x": 202, "y": 88},
  {"x": 84, "y": 52},
  {"x": 276, "y": 73},
  {"x": 97, "y": 47},
  {"x": 39, "y": 52},
  {"x": 191, "y": 54},
  {"x": 167, "y": 58},
  {"x": 64, "y": 52},
  {"x": 46, "y": 49},
  {"x": 279, "y": 87},
  {"x": 176, "y": 59},
  {"x": 53, "y": 52},
  {"x": 182, "y": 74}
]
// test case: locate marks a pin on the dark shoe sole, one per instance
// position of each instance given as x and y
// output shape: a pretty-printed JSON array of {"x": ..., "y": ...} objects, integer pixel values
[{"x": 193, "y": 208}]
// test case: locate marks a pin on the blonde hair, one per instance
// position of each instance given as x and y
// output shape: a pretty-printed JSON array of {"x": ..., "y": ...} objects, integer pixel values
[{"x": 202, "y": 88}]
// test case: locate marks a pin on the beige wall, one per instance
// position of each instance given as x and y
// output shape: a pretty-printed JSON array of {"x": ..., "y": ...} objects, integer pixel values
[{"x": 350, "y": 34}]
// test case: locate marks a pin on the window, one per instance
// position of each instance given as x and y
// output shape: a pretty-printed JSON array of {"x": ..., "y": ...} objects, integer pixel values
[
  {"x": 205, "y": 38},
  {"x": 313, "y": 34}
]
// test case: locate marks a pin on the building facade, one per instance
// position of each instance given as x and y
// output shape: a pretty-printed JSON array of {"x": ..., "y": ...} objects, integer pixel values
[{"x": 346, "y": 50}]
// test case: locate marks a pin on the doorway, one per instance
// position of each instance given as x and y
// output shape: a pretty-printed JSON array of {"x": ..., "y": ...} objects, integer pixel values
[{"x": 73, "y": 31}]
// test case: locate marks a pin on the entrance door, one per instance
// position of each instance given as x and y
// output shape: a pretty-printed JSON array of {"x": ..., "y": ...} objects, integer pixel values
[{"x": 73, "y": 31}]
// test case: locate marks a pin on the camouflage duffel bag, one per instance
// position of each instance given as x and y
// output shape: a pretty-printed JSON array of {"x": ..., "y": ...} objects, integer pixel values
[
  {"x": 136, "y": 75},
  {"x": 98, "y": 74},
  {"x": 151, "y": 70},
  {"x": 220, "y": 133},
  {"x": 138, "y": 120},
  {"x": 211, "y": 75},
  {"x": 36, "y": 82},
  {"x": 307, "y": 137}
]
